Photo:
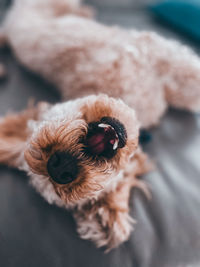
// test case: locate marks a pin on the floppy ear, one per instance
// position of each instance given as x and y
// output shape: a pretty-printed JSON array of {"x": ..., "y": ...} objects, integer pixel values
[{"x": 14, "y": 133}]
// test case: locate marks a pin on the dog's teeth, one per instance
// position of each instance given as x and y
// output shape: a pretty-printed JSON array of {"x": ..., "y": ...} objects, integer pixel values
[
  {"x": 102, "y": 125},
  {"x": 115, "y": 146}
]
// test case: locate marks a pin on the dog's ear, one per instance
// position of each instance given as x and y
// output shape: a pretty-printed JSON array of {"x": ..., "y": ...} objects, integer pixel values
[{"x": 14, "y": 133}]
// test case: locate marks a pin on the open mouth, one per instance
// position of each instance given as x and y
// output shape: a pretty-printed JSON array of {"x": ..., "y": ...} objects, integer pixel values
[{"x": 105, "y": 137}]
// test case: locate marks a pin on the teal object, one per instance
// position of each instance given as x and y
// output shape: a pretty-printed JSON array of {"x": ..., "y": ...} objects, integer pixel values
[{"x": 182, "y": 14}]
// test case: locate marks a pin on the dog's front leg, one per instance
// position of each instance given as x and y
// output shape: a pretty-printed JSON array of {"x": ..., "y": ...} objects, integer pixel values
[
  {"x": 106, "y": 221},
  {"x": 14, "y": 133}
]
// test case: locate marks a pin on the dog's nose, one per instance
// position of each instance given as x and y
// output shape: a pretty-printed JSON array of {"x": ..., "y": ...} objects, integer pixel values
[{"x": 63, "y": 167}]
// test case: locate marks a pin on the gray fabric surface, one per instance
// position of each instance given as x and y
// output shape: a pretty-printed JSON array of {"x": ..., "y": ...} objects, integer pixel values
[{"x": 33, "y": 233}]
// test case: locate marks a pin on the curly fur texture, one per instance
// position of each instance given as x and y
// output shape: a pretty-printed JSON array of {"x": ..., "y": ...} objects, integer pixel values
[
  {"x": 60, "y": 41},
  {"x": 28, "y": 140}
]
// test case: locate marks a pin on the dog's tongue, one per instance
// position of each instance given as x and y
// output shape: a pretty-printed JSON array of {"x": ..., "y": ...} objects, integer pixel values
[
  {"x": 99, "y": 142},
  {"x": 96, "y": 143},
  {"x": 105, "y": 137}
]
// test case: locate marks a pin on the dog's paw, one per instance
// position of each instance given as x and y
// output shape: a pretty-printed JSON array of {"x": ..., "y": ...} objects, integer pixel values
[
  {"x": 117, "y": 225},
  {"x": 105, "y": 227}
]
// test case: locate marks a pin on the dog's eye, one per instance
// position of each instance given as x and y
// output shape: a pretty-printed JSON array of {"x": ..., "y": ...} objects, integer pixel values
[
  {"x": 105, "y": 137},
  {"x": 63, "y": 167}
]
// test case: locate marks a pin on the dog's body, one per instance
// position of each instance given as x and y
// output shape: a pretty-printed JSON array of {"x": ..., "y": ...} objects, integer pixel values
[{"x": 82, "y": 57}]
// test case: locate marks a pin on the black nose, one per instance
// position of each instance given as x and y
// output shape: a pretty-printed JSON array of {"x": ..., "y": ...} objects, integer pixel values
[{"x": 63, "y": 167}]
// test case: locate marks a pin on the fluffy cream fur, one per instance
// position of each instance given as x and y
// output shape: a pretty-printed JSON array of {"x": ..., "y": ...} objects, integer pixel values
[
  {"x": 60, "y": 41},
  {"x": 83, "y": 57}
]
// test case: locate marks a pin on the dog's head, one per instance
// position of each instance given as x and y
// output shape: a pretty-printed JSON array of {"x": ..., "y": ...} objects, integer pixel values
[{"x": 79, "y": 148}]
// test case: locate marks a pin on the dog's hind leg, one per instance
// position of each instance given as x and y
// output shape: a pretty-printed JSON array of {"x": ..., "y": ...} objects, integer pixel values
[
  {"x": 178, "y": 68},
  {"x": 182, "y": 85}
]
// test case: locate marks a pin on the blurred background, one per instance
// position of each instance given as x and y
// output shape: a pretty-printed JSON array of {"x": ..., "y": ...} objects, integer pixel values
[{"x": 33, "y": 233}]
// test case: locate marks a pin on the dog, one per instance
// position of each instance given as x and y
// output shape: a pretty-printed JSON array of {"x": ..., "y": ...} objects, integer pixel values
[{"x": 83, "y": 154}]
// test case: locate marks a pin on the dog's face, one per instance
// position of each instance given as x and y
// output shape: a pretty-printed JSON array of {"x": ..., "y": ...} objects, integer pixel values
[{"x": 81, "y": 147}]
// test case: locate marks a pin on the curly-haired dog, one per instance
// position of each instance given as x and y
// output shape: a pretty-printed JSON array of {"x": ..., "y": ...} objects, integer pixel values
[{"x": 83, "y": 154}]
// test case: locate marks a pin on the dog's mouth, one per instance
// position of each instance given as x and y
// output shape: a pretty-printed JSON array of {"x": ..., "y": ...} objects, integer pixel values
[{"x": 105, "y": 137}]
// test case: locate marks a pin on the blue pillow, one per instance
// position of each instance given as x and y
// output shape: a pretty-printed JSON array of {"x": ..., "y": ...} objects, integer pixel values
[{"x": 184, "y": 15}]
